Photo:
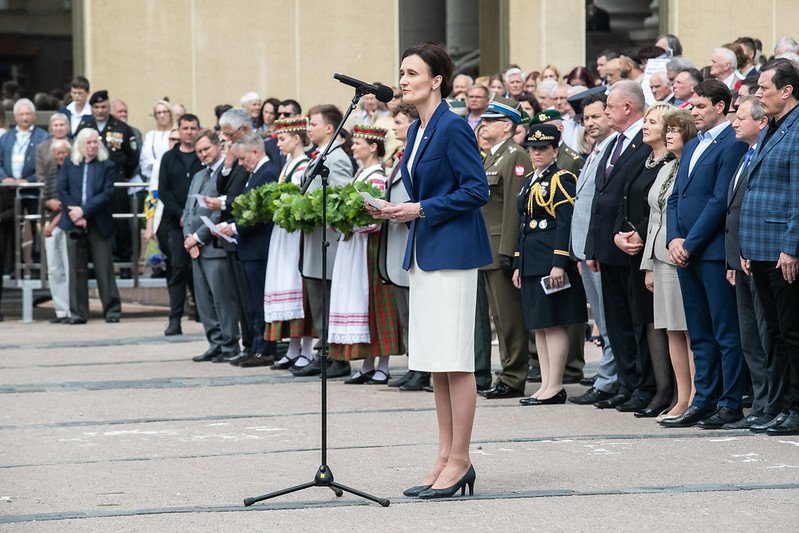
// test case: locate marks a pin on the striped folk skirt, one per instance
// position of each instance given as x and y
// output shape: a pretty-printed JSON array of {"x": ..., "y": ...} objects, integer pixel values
[
  {"x": 384, "y": 326},
  {"x": 298, "y": 327}
]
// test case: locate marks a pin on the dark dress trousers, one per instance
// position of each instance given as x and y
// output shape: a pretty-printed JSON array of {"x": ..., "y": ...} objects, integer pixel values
[
  {"x": 759, "y": 350},
  {"x": 626, "y": 331},
  {"x": 95, "y": 241},
  {"x": 696, "y": 212}
]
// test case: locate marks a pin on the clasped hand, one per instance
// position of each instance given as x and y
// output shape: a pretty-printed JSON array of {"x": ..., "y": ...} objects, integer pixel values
[
  {"x": 629, "y": 242},
  {"x": 677, "y": 252}
]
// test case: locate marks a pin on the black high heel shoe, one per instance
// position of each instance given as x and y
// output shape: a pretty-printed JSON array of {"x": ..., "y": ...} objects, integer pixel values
[
  {"x": 468, "y": 479},
  {"x": 414, "y": 492}
]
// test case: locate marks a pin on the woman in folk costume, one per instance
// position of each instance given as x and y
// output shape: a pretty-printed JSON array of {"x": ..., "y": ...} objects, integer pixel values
[
  {"x": 363, "y": 321},
  {"x": 285, "y": 303}
]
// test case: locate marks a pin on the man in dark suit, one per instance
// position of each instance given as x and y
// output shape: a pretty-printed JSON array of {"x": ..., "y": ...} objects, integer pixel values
[
  {"x": 86, "y": 185},
  {"x": 253, "y": 246},
  {"x": 210, "y": 269},
  {"x": 770, "y": 231},
  {"x": 624, "y": 157},
  {"x": 230, "y": 182},
  {"x": 123, "y": 151},
  {"x": 695, "y": 239},
  {"x": 755, "y": 341},
  {"x": 178, "y": 165}
]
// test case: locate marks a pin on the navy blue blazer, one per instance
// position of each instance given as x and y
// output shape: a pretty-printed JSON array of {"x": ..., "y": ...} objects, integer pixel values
[
  {"x": 7, "y": 141},
  {"x": 770, "y": 210},
  {"x": 254, "y": 240},
  {"x": 450, "y": 183},
  {"x": 697, "y": 206},
  {"x": 99, "y": 190}
]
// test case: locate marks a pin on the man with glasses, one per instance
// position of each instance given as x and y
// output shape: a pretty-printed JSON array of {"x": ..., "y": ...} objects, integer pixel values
[
  {"x": 476, "y": 104},
  {"x": 506, "y": 166}
]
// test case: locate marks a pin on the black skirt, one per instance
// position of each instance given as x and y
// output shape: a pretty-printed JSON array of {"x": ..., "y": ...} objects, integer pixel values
[{"x": 557, "y": 309}]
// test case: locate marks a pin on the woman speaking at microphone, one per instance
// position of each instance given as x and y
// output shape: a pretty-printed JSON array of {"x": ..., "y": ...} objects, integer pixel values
[{"x": 443, "y": 174}]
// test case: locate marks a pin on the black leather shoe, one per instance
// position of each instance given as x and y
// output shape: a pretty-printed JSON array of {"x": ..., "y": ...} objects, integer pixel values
[
  {"x": 284, "y": 365},
  {"x": 503, "y": 391},
  {"x": 789, "y": 427},
  {"x": 690, "y": 417},
  {"x": 359, "y": 378},
  {"x": 338, "y": 369},
  {"x": 112, "y": 319},
  {"x": 588, "y": 382},
  {"x": 612, "y": 402},
  {"x": 75, "y": 321},
  {"x": 558, "y": 399},
  {"x": 746, "y": 422},
  {"x": 314, "y": 368},
  {"x": 773, "y": 422},
  {"x": 724, "y": 415},
  {"x": 651, "y": 412},
  {"x": 207, "y": 356},
  {"x": 60, "y": 320},
  {"x": 239, "y": 358},
  {"x": 222, "y": 358},
  {"x": 379, "y": 378},
  {"x": 419, "y": 382},
  {"x": 414, "y": 492},
  {"x": 534, "y": 375},
  {"x": 403, "y": 379},
  {"x": 257, "y": 359},
  {"x": 468, "y": 479},
  {"x": 590, "y": 396},
  {"x": 632, "y": 405},
  {"x": 173, "y": 328}
]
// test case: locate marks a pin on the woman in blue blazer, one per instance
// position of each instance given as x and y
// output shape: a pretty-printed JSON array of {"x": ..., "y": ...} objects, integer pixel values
[{"x": 443, "y": 174}]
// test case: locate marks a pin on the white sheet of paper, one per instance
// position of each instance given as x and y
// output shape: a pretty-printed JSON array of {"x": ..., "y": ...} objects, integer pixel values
[
  {"x": 212, "y": 227},
  {"x": 201, "y": 200},
  {"x": 371, "y": 200}
]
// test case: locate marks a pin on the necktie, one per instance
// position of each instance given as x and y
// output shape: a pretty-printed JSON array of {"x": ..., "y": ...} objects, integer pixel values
[
  {"x": 747, "y": 158},
  {"x": 615, "y": 155}
]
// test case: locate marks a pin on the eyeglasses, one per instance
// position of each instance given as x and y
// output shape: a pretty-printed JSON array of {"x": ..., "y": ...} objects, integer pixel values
[
  {"x": 284, "y": 114},
  {"x": 674, "y": 129}
]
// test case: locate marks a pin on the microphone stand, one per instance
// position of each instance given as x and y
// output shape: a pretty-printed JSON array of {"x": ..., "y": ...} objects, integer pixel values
[{"x": 324, "y": 476}]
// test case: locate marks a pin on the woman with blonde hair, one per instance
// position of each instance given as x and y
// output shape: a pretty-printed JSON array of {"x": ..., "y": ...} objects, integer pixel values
[{"x": 156, "y": 141}]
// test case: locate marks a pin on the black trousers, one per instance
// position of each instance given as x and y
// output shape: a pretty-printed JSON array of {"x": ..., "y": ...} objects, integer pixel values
[
  {"x": 627, "y": 332},
  {"x": 780, "y": 301},
  {"x": 178, "y": 268},
  {"x": 80, "y": 248}
]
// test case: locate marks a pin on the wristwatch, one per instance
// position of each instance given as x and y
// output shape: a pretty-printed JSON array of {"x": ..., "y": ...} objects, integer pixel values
[{"x": 421, "y": 211}]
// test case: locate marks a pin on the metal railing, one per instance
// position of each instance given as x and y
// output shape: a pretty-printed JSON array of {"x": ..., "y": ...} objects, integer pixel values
[{"x": 24, "y": 277}]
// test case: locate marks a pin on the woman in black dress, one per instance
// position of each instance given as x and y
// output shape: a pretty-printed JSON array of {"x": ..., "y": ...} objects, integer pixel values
[{"x": 545, "y": 206}]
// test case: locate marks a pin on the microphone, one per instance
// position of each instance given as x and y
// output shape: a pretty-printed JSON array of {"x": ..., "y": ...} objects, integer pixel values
[{"x": 383, "y": 93}]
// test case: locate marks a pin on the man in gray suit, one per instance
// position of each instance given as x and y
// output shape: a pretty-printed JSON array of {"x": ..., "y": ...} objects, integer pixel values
[
  {"x": 759, "y": 350},
  {"x": 598, "y": 127},
  {"x": 210, "y": 269},
  {"x": 322, "y": 122}
]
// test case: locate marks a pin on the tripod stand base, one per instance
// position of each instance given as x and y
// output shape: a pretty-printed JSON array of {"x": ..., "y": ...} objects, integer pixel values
[{"x": 323, "y": 478}]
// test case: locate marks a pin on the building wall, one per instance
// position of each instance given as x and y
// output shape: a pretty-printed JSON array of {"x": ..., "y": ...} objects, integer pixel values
[
  {"x": 202, "y": 53},
  {"x": 702, "y": 26},
  {"x": 546, "y": 31}
]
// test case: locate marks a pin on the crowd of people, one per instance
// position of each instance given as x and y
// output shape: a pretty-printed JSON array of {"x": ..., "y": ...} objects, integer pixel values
[{"x": 662, "y": 197}]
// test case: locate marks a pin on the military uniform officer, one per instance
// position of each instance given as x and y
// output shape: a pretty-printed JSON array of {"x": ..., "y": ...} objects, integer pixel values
[
  {"x": 506, "y": 164},
  {"x": 545, "y": 205},
  {"x": 123, "y": 151},
  {"x": 569, "y": 160}
]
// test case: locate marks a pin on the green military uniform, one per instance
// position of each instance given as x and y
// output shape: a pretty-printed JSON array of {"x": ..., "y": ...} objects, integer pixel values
[
  {"x": 569, "y": 160},
  {"x": 505, "y": 172}
]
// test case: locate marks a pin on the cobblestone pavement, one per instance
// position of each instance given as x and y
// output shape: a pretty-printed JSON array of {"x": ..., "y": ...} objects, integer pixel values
[{"x": 113, "y": 428}]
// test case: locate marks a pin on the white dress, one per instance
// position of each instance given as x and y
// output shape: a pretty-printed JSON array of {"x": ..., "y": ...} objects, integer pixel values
[{"x": 283, "y": 282}]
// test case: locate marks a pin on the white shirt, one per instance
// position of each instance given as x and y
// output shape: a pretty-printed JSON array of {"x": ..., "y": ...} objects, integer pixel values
[
  {"x": 19, "y": 151},
  {"x": 76, "y": 116},
  {"x": 496, "y": 146},
  {"x": 742, "y": 168},
  {"x": 730, "y": 81},
  {"x": 412, "y": 157},
  {"x": 706, "y": 139}
]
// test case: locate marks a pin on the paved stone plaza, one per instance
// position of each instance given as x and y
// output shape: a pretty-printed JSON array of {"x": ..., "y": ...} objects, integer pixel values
[{"x": 113, "y": 428}]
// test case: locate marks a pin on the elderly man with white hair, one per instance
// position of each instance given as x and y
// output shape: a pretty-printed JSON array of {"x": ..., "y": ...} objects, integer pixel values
[
  {"x": 252, "y": 103},
  {"x": 18, "y": 158},
  {"x": 784, "y": 45},
  {"x": 461, "y": 84},
  {"x": 723, "y": 65},
  {"x": 545, "y": 93},
  {"x": 514, "y": 82},
  {"x": 661, "y": 90}
]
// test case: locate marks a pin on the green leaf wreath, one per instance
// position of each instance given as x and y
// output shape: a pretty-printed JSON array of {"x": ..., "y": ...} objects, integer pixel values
[{"x": 259, "y": 204}]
